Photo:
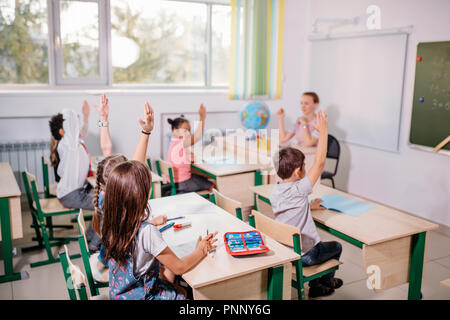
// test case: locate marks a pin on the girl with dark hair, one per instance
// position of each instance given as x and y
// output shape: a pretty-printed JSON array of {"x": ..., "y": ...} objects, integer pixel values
[
  {"x": 134, "y": 247},
  {"x": 180, "y": 155}
]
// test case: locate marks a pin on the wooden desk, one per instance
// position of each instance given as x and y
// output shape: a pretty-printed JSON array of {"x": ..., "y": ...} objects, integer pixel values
[
  {"x": 232, "y": 180},
  {"x": 248, "y": 150},
  {"x": 10, "y": 220},
  {"x": 392, "y": 241},
  {"x": 220, "y": 275},
  {"x": 156, "y": 184}
]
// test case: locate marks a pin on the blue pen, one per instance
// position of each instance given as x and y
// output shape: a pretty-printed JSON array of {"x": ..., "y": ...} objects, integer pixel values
[
  {"x": 181, "y": 217},
  {"x": 166, "y": 227}
]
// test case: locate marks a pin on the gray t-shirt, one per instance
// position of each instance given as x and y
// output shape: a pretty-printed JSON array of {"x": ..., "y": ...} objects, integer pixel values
[
  {"x": 149, "y": 243},
  {"x": 290, "y": 204}
]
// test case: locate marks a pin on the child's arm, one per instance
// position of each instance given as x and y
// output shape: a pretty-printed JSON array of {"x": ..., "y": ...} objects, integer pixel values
[
  {"x": 284, "y": 136},
  {"x": 321, "y": 154},
  {"x": 147, "y": 126},
  {"x": 199, "y": 132},
  {"x": 84, "y": 129},
  {"x": 308, "y": 139},
  {"x": 181, "y": 266},
  {"x": 105, "y": 137}
]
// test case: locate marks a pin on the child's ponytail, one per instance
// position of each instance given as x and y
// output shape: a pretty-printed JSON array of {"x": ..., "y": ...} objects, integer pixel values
[{"x": 177, "y": 122}]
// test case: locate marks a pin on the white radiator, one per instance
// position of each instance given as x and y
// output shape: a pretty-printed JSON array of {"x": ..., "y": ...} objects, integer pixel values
[{"x": 23, "y": 155}]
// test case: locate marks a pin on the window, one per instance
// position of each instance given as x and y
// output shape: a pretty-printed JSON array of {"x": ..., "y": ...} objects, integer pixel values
[
  {"x": 80, "y": 42},
  {"x": 221, "y": 38},
  {"x": 23, "y": 42},
  {"x": 158, "y": 42},
  {"x": 183, "y": 43}
]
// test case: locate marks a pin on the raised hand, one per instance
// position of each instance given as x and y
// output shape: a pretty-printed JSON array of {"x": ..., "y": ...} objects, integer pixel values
[
  {"x": 322, "y": 122},
  {"x": 149, "y": 118},
  {"x": 103, "y": 110},
  {"x": 280, "y": 113},
  {"x": 202, "y": 112},
  {"x": 86, "y": 110}
]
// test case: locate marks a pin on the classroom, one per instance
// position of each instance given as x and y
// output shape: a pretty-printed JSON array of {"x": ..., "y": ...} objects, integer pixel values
[{"x": 224, "y": 150}]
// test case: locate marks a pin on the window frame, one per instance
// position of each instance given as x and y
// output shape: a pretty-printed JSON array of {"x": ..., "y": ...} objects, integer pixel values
[
  {"x": 103, "y": 57},
  {"x": 105, "y": 79}
]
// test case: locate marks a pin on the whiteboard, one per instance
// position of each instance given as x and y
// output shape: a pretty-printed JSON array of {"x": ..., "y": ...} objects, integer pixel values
[
  {"x": 360, "y": 84},
  {"x": 216, "y": 123}
]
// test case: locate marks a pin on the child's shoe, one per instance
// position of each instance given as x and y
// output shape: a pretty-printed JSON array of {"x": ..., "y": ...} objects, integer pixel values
[{"x": 320, "y": 291}]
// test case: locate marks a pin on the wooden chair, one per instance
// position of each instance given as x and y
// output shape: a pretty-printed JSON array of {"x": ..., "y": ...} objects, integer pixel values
[
  {"x": 97, "y": 278},
  {"x": 232, "y": 206},
  {"x": 75, "y": 279},
  {"x": 50, "y": 189},
  {"x": 42, "y": 209},
  {"x": 290, "y": 236},
  {"x": 165, "y": 170},
  {"x": 149, "y": 164}
]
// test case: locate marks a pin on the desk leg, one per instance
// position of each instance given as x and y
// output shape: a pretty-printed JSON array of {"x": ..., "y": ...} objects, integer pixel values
[
  {"x": 7, "y": 244},
  {"x": 275, "y": 283},
  {"x": 416, "y": 266}
]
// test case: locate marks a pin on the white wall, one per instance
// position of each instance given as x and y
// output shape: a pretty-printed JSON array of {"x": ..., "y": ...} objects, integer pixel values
[
  {"x": 415, "y": 181},
  {"x": 411, "y": 180}
]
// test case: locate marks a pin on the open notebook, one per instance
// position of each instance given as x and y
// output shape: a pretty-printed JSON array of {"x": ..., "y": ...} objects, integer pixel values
[
  {"x": 342, "y": 204},
  {"x": 220, "y": 160}
]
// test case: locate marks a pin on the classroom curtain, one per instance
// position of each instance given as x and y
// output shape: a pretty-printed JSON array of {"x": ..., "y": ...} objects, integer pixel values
[{"x": 256, "y": 48}]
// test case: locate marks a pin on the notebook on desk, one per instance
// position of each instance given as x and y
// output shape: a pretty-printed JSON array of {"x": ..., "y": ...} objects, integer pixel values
[
  {"x": 342, "y": 204},
  {"x": 219, "y": 160}
]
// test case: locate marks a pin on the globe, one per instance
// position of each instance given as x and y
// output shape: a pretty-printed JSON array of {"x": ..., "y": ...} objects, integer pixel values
[{"x": 255, "y": 115}]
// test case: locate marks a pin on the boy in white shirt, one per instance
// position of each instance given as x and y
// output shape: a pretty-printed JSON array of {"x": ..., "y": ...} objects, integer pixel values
[{"x": 289, "y": 201}]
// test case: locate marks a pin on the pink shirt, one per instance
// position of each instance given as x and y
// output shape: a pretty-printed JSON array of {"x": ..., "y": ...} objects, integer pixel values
[
  {"x": 179, "y": 158},
  {"x": 299, "y": 134}
]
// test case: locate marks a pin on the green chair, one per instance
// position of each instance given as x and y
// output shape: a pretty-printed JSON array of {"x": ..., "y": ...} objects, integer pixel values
[
  {"x": 75, "y": 279},
  {"x": 232, "y": 206},
  {"x": 165, "y": 170},
  {"x": 289, "y": 235},
  {"x": 42, "y": 209},
  {"x": 50, "y": 189},
  {"x": 149, "y": 163},
  {"x": 97, "y": 278}
]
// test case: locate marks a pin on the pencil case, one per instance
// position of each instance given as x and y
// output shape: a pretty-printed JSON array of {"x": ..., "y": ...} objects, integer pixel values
[{"x": 244, "y": 243}]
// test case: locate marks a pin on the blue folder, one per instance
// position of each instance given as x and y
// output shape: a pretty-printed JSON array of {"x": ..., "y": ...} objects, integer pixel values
[{"x": 342, "y": 204}]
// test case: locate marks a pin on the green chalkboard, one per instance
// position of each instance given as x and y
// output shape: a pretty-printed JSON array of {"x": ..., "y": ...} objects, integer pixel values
[{"x": 430, "y": 121}]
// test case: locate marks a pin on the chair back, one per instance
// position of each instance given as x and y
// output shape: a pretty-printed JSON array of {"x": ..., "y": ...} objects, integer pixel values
[
  {"x": 165, "y": 170},
  {"x": 82, "y": 226},
  {"x": 283, "y": 233},
  {"x": 32, "y": 192},
  {"x": 226, "y": 203},
  {"x": 334, "y": 149},
  {"x": 75, "y": 279},
  {"x": 45, "y": 175},
  {"x": 149, "y": 162},
  {"x": 26, "y": 176}
]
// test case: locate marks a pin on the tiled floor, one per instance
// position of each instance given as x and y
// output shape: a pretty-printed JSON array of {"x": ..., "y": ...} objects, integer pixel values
[{"x": 47, "y": 282}]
